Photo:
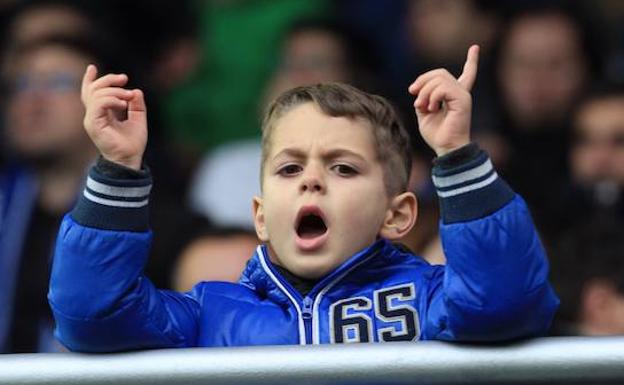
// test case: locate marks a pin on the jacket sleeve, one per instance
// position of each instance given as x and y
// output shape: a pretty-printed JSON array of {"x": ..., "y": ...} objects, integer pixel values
[
  {"x": 495, "y": 284},
  {"x": 98, "y": 295}
]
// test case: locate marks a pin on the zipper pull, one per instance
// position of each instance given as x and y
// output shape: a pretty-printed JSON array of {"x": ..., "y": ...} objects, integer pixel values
[{"x": 306, "y": 312}]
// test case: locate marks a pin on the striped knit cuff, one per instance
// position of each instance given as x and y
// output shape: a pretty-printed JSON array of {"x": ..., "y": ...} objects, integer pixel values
[
  {"x": 468, "y": 186},
  {"x": 114, "y": 203}
]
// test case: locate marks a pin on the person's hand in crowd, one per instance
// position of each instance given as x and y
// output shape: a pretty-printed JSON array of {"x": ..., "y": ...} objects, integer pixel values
[
  {"x": 115, "y": 117},
  {"x": 444, "y": 105}
]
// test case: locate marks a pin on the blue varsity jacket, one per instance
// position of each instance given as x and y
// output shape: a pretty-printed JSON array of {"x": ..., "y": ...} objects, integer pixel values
[{"x": 494, "y": 286}]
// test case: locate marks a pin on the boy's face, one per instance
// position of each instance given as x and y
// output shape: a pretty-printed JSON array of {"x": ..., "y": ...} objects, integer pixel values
[{"x": 324, "y": 197}]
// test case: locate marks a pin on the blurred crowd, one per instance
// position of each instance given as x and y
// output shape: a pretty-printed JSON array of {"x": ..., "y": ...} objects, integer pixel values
[{"x": 548, "y": 107}]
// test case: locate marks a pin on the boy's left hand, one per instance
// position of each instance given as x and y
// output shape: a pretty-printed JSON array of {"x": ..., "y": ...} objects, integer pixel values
[{"x": 444, "y": 105}]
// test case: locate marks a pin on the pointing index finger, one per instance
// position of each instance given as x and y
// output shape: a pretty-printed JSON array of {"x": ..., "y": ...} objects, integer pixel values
[
  {"x": 469, "y": 74},
  {"x": 89, "y": 76}
]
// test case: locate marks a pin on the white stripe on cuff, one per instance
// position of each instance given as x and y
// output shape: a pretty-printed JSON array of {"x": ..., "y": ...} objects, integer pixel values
[
  {"x": 468, "y": 188},
  {"x": 116, "y": 191},
  {"x": 114, "y": 203},
  {"x": 473, "y": 173}
]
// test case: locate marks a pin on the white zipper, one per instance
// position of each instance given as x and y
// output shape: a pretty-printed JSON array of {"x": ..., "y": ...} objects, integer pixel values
[
  {"x": 301, "y": 325},
  {"x": 316, "y": 333},
  {"x": 314, "y": 314}
]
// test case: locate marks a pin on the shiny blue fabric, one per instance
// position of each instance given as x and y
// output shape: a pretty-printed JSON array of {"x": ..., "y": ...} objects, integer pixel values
[{"x": 494, "y": 287}]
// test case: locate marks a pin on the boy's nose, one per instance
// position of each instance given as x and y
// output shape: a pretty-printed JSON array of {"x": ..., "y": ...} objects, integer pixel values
[
  {"x": 312, "y": 182},
  {"x": 311, "y": 186}
]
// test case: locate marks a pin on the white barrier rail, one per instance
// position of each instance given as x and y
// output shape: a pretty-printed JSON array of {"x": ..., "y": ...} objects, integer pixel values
[{"x": 546, "y": 361}]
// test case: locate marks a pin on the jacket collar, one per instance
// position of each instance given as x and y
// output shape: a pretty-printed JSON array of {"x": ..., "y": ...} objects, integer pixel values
[{"x": 260, "y": 274}]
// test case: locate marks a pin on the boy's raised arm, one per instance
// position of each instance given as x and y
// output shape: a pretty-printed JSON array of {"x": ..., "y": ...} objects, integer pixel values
[
  {"x": 495, "y": 285},
  {"x": 99, "y": 297}
]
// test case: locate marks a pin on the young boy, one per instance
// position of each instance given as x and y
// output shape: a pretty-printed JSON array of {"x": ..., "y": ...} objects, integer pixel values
[{"x": 334, "y": 174}]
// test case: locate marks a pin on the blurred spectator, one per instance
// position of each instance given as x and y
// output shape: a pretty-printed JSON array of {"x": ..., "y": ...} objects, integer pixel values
[
  {"x": 544, "y": 64},
  {"x": 597, "y": 156},
  {"x": 26, "y": 21},
  {"x": 50, "y": 155},
  {"x": 159, "y": 54},
  {"x": 545, "y": 59},
  {"x": 596, "y": 160},
  {"x": 47, "y": 156},
  {"x": 587, "y": 270}
]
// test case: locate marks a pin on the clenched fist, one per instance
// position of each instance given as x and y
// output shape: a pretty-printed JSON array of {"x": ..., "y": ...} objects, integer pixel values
[
  {"x": 115, "y": 118},
  {"x": 444, "y": 105}
]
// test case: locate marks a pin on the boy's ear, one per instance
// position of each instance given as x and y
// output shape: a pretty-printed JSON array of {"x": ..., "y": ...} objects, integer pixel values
[
  {"x": 258, "y": 213},
  {"x": 400, "y": 217}
]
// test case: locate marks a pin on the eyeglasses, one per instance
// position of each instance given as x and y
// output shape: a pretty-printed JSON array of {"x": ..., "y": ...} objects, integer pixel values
[{"x": 53, "y": 83}]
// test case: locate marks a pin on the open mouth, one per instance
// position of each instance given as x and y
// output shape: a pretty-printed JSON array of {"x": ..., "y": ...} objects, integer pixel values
[{"x": 311, "y": 228}]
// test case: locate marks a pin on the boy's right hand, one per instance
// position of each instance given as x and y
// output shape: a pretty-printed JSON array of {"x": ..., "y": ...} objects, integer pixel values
[
  {"x": 119, "y": 138},
  {"x": 444, "y": 105}
]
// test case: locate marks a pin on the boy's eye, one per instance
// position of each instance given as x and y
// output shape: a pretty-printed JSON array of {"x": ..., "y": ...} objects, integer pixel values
[
  {"x": 289, "y": 169},
  {"x": 344, "y": 170}
]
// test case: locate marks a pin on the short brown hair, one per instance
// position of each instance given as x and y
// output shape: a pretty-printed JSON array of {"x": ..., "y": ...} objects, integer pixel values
[{"x": 392, "y": 142}]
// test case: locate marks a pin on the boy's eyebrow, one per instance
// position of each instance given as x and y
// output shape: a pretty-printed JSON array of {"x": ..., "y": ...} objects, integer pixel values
[
  {"x": 338, "y": 152},
  {"x": 330, "y": 154},
  {"x": 290, "y": 152}
]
